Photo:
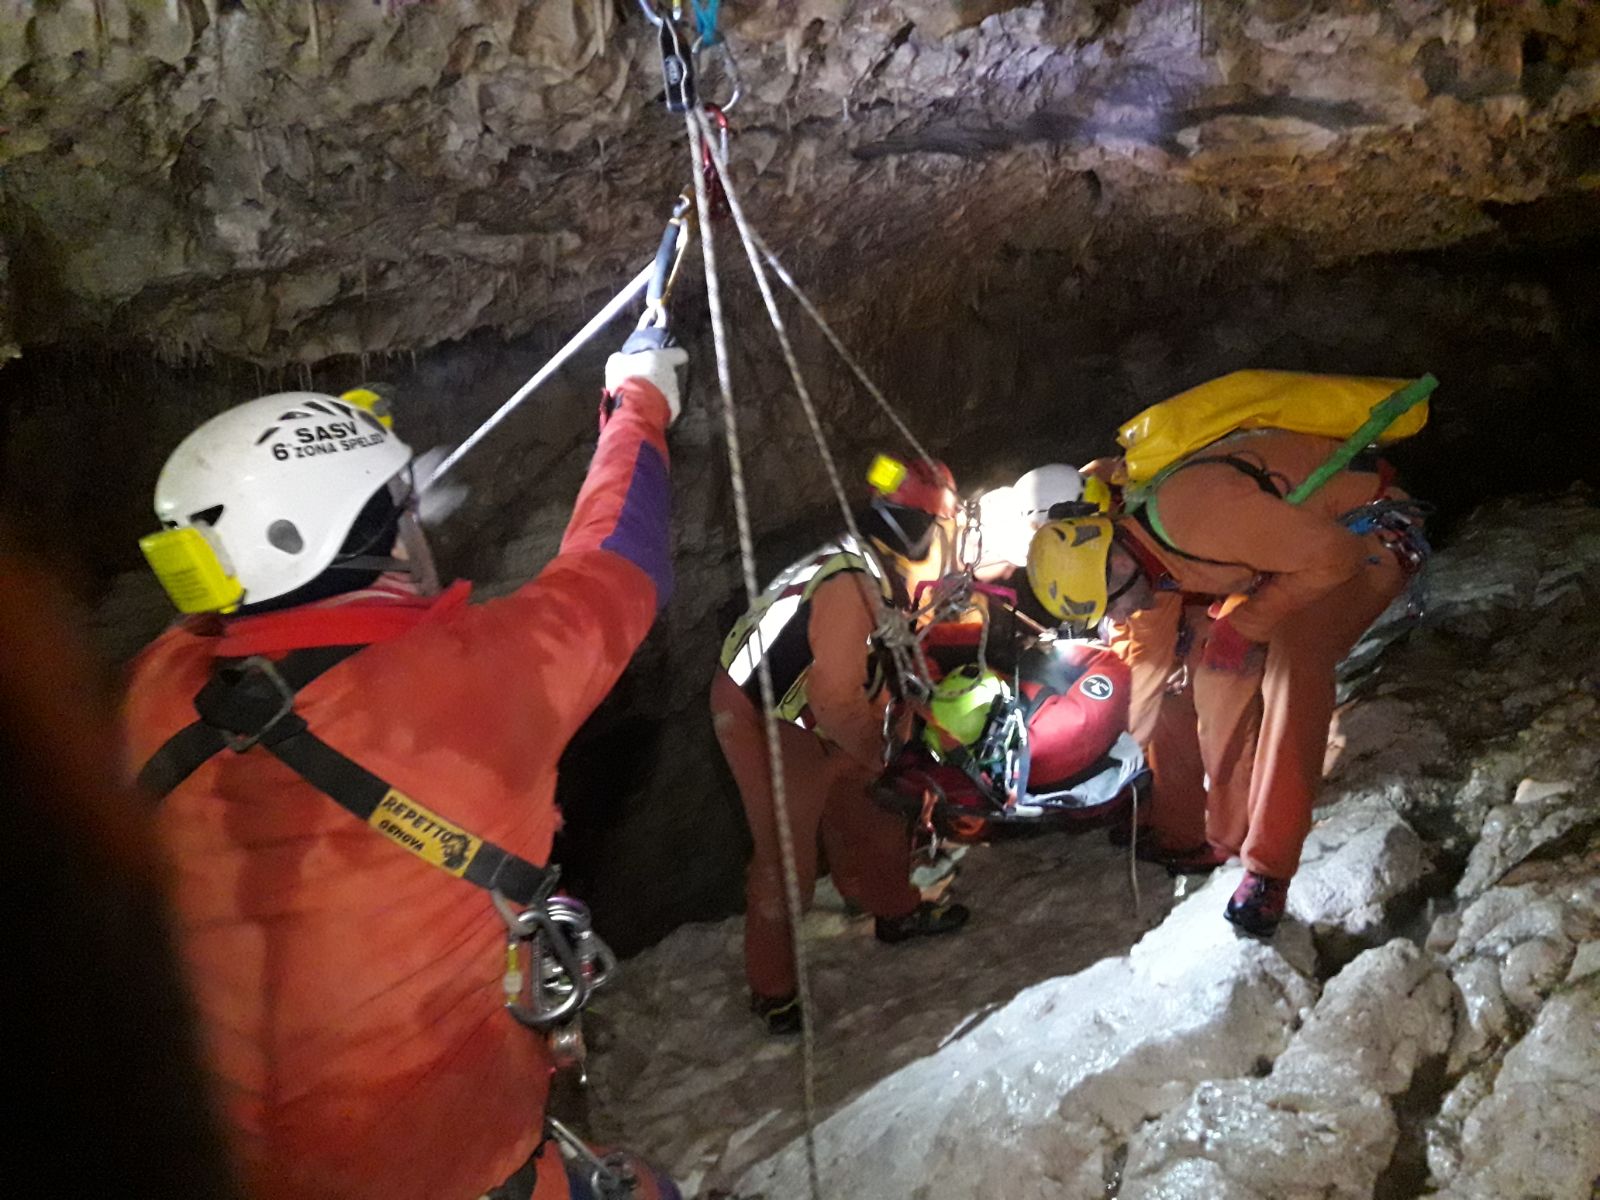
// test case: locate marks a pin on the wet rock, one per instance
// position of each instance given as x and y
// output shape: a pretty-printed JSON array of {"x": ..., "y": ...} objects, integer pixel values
[
  {"x": 1319, "y": 1123},
  {"x": 1536, "y": 819},
  {"x": 672, "y": 1036},
  {"x": 1360, "y": 857}
]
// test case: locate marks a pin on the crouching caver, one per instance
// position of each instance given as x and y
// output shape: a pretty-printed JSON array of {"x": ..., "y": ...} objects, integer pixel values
[
  {"x": 364, "y": 809},
  {"x": 815, "y": 625},
  {"x": 1290, "y": 589}
]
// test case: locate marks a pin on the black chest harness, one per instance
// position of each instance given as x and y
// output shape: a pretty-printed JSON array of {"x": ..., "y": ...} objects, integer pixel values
[{"x": 250, "y": 702}]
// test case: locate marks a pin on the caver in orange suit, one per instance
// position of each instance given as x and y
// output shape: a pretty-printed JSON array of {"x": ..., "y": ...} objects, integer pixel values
[
  {"x": 1197, "y": 727},
  {"x": 814, "y": 627},
  {"x": 826, "y": 771},
  {"x": 350, "y": 993},
  {"x": 1302, "y": 588}
]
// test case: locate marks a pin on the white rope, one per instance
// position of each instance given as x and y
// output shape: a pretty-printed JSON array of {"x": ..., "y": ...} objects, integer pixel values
[
  {"x": 1133, "y": 853},
  {"x": 597, "y": 322},
  {"x": 892, "y": 631},
  {"x": 850, "y": 361},
  {"x": 752, "y": 587}
]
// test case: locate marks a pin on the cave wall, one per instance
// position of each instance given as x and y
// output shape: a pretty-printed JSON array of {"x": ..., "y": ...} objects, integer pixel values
[{"x": 291, "y": 180}]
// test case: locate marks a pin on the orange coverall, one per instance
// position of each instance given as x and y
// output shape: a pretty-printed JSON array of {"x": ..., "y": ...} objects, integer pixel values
[
  {"x": 825, "y": 784},
  {"x": 1302, "y": 586},
  {"x": 350, "y": 993}
]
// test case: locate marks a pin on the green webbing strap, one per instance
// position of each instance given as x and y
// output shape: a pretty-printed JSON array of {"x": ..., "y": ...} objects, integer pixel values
[{"x": 1384, "y": 414}]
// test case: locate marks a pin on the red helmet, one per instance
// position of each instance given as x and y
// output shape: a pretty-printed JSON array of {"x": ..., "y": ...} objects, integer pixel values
[{"x": 923, "y": 484}]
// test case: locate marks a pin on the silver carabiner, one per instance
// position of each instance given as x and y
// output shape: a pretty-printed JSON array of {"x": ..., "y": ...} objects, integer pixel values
[
  {"x": 730, "y": 72},
  {"x": 567, "y": 960}
]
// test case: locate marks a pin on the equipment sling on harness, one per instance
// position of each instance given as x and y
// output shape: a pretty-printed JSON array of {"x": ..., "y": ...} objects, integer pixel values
[{"x": 250, "y": 702}]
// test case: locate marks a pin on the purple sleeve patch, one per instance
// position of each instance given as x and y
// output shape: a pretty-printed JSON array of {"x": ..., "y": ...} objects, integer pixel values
[{"x": 641, "y": 532}]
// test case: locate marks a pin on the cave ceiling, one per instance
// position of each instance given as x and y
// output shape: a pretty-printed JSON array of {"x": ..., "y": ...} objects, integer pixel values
[{"x": 288, "y": 180}]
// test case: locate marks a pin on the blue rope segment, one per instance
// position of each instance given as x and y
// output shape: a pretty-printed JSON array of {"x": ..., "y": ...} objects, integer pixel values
[{"x": 705, "y": 19}]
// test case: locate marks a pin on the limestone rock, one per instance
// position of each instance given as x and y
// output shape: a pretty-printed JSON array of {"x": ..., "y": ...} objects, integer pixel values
[
  {"x": 167, "y": 163},
  {"x": 1361, "y": 855},
  {"x": 1066, "y": 1071},
  {"x": 1318, "y": 1124},
  {"x": 1537, "y": 1132}
]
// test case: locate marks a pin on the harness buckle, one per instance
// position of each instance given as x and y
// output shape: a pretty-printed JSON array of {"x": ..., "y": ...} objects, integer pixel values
[
  {"x": 234, "y": 703},
  {"x": 566, "y": 960}
]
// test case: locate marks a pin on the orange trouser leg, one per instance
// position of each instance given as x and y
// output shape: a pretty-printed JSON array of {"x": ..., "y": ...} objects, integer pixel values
[
  {"x": 1297, "y": 705},
  {"x": 868, "y": 848},
  {"x": 1161, "y": 719},
  {"x": 807, "y": 776},
  {"x": 1177, "y": 818},
  {"x": 1228, "y": 706}
]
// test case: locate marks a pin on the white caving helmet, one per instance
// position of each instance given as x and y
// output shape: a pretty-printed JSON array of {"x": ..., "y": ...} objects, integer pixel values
[
  {"x": 1042, "y": 488},
  {"x": 259, "y": 500},
  {"x": 1012, "y": 515}
]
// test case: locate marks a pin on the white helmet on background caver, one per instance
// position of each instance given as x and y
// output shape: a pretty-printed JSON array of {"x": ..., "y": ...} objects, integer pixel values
[
  {"x": 260, "y": 500},
  {"x": 1042, "y": 488}
]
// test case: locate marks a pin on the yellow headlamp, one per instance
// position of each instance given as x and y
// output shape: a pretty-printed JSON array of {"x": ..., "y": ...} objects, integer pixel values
[
  {"x": 191, "y": 571},
  {"x": 886, "y": 475},
  {"x": 369, "y": 397}
]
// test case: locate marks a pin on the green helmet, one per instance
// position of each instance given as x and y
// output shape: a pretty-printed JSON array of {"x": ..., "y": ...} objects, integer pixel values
[{"x": 960, "y": 707}]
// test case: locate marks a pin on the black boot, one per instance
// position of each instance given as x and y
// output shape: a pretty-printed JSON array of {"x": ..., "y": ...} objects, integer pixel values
[
  {"x": 925, "y": 920},
  {"x": 780, "y": 1013}
]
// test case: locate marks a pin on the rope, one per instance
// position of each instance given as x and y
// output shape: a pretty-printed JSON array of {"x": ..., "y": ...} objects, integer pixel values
[
  {"x": 892, "y": 632},
  {"x": 1133, "y": 853},
  {"x": 597, "y": 322},
  {"x": 850, "y": 361},
  {"x": 747, "y": 558}
]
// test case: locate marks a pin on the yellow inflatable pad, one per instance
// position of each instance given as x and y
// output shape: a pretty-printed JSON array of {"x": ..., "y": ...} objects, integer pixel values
[{"x": 1333, "y": 406}]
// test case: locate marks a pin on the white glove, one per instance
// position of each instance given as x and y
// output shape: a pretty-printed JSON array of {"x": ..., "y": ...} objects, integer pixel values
[{"x": 659, "y": 367}]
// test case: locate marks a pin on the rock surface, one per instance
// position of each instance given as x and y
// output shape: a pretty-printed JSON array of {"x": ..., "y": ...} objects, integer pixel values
[
  {"x": 289, "y": 180},
  {"x": 1425, "y": 1023}
]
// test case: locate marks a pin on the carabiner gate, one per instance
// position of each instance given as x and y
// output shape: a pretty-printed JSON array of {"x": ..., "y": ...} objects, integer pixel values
[{"x": 566, "y": 961}]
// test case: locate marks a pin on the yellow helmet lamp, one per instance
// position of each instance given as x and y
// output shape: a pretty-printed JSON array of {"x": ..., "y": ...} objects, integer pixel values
[
  {"x": 886, "y": 474},
  {"x": 375, "y": 399},
  {"x": 192, "y": 570},
  {"x": 1098, "y": 493},
  {"x": 1067, "y": 562}
]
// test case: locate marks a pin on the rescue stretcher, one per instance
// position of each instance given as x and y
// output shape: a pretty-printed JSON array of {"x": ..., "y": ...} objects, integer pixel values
[{"x": 1054, "y": 751}]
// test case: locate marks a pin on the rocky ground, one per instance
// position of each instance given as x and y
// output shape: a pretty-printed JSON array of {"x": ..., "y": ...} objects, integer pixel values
[{"x": 1427, "y": 1024}]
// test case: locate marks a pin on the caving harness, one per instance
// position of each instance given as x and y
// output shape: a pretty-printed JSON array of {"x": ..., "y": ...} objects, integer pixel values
[
  {"x": 1399, "y": 523},
  {"x": 554, "y": 959},
  {"x": 775, "y": 629}
]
